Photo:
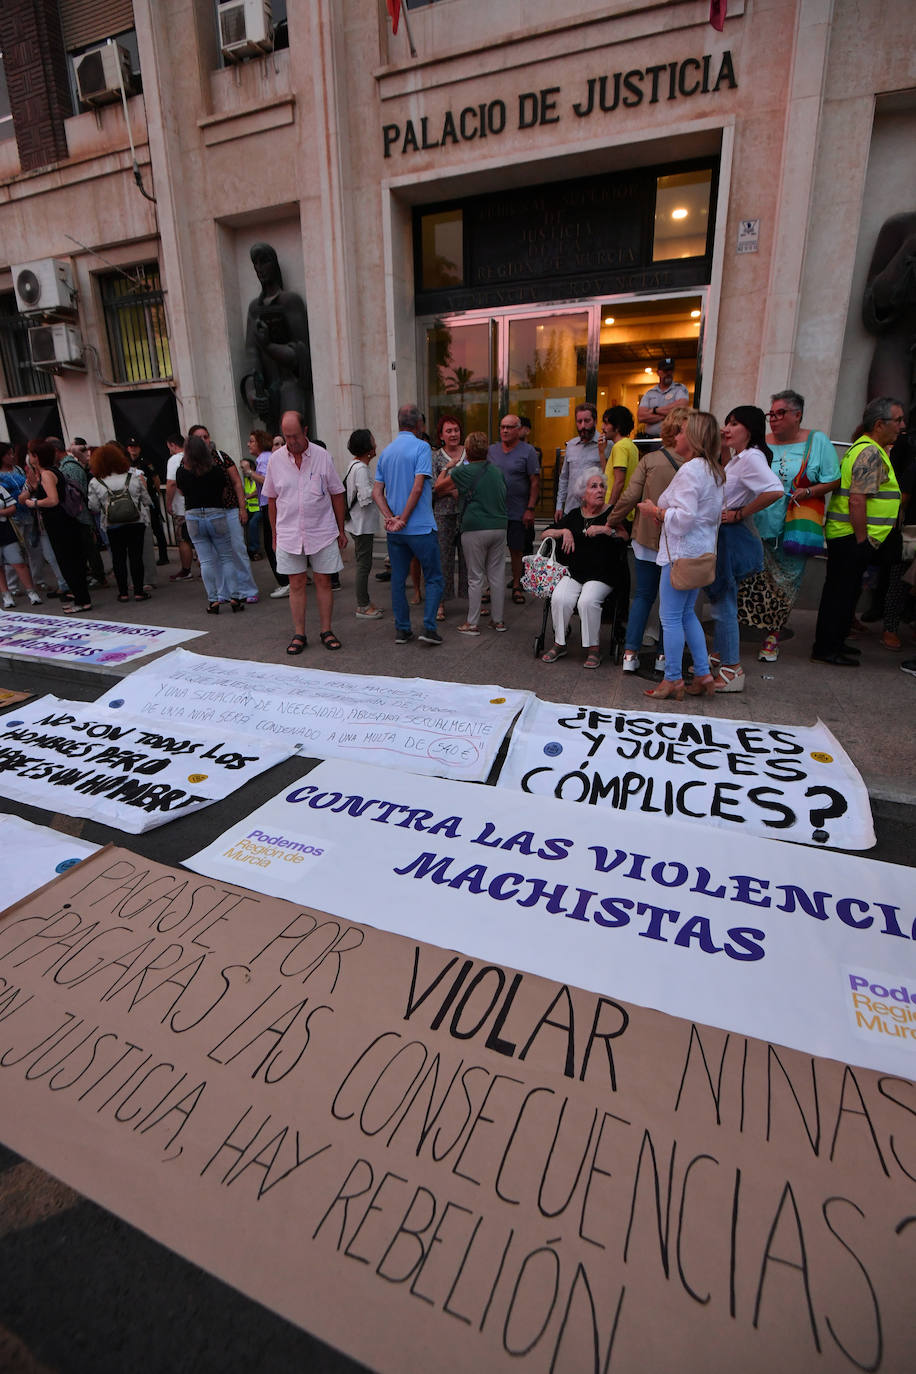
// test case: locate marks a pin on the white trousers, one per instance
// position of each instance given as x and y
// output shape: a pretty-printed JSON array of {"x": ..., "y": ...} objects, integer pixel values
[{"x": 589, "y": 598}]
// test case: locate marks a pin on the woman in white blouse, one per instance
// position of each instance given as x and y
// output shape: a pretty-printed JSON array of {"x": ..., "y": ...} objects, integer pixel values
[
  {"x": 688, "y": 513},
  {"x": 750, "y": 485}
]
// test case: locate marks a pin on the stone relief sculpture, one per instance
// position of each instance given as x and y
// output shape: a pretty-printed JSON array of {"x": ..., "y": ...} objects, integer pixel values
[
  {"x": 278, "y": 362},
  {"x": 889, "y": 309}
]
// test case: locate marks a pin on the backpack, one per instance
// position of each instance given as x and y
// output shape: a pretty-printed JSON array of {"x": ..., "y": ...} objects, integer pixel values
[
  {"x": 69, "y": 496},
  {"x": 122, "y": 508}
]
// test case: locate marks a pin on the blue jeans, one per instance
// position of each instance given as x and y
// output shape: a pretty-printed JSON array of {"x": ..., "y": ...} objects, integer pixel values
[
  {"x": 679, "y": 622},
  {"x": 240, "y": 577},
  {"x": 209, "y": 532},
  {"x": 647, "y": 578},
  {"x": 725, "y": 640},
  {"x": 401, "y": 548}
]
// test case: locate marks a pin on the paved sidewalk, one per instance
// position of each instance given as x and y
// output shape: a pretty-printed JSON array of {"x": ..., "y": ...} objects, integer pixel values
[{"x": 870, "y": 709}]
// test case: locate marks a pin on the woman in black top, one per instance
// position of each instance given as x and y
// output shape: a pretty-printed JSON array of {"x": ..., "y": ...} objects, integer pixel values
[
  {"x": 591, "y": 551},
  {"x": 202, "y": 482},
  {"x": 43, "y": 493}
]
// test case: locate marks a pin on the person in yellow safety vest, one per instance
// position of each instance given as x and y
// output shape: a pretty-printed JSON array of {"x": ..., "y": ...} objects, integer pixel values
[
  {"x": 253, "y": 507},
  {"x": 860, "y": 516}
]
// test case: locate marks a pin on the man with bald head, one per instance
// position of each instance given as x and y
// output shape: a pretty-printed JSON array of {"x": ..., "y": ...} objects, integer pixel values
[
  {"x": 403, "y": 493},
  {"x": 306, "y": 508},
  {"x": 518, "y": 462}
]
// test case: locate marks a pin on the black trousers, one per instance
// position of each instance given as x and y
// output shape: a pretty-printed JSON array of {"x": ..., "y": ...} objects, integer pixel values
[
  {"x": 268, "y": 537},
  {"x": 126, "y": 543},
  {"x": 846, "y": 564}
]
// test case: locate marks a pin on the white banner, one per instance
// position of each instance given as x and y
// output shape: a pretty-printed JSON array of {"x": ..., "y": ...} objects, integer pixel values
[
  {"x": 75, "y": 640},
  {"x": 754, "y": 936},
  {"x": 31, "y": 855},
  {"x": 784, "y": 781},
  {"x": 129, "y": 772},
  {"x": 445, "y": 729}
]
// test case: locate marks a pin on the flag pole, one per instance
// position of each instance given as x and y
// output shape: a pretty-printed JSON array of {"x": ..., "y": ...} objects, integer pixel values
[{"x": 413, "y": 51}]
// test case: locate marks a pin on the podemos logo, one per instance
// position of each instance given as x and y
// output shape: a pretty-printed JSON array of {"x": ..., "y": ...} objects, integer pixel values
[{"x": 880, "y": 1008}]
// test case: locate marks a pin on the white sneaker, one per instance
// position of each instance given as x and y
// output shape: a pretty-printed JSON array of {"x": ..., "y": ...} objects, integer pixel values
[
  {"x": 279, "y": 591},
  {"x": 660, "y": 663},
  {"x": 34, "y": 599},
  {"x": 8, "y": 602},
  {"x": 630, "y": 662}
]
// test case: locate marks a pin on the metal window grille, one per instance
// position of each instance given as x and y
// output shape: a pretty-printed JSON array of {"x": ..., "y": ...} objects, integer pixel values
[
  {"x": 138, "y": 340},
  {"x": 22, "y": 379}
]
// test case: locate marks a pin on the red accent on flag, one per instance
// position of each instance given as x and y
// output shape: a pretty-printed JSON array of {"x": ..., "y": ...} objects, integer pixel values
[
  {"x": 394, "y": 9},
  {"x": 718, "y": 9}
]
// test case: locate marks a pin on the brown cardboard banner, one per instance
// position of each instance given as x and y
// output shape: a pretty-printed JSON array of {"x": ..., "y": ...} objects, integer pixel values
[{"x": 432, "y": 1162}]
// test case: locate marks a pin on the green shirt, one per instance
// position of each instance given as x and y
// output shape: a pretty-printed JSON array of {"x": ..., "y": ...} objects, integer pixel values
[{"x": 485, "y": 506}]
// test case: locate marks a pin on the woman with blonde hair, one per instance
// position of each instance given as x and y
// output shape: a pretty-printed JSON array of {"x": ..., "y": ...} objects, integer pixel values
[
  {"x": 688, "y": 514},
  {"x": 119, "y": 494},
  {"x": 653, "y": 473}
]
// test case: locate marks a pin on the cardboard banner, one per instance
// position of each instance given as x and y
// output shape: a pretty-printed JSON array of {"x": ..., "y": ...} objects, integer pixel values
[
  {"x": 9, "y": 698},
  {"x": 434, "y": 1163},
  {"x": 130, "y": 773},
  {"x": 69, "y": 639},
  {"x": 32, "y": 855},
  {"x": 789, "y": 782},
  {"x": 753, "y": 936},
  {"x": 443, "y": 729}
]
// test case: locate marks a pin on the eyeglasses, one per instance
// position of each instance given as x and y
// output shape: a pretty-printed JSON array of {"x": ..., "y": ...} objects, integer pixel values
[{"x": 781, "y": 414}]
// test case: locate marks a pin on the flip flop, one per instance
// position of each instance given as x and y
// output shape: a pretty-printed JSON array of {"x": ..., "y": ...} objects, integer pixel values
[
  {"x": 330, "y": 640},
  {"x": 296, "y": 645}
]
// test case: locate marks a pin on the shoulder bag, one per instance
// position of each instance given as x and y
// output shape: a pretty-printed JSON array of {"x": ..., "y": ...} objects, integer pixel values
[
  {"x": 690, "y": 574},
  {"x": 803, "y": 531}
]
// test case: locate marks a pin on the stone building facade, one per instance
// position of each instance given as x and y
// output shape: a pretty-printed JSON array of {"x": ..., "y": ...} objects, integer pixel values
[{"x": 525, "y": 213}]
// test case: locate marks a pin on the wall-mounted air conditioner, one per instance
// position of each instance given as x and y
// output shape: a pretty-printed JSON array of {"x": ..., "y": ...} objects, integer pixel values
[
  {"x": 43, "y": 286},
  {"x": 245, "y": 28},
  {"x": 99, "y": 73},
  {"x": 54, "y": 344}
]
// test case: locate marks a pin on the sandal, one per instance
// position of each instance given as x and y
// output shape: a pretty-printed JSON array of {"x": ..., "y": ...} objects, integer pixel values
[
  {"x": 558, "y": 651},
  {"x": 140, "y": 596},
  {"x": 468, "y": 629},
  {"x": 296, "y": 645},
  {"x": 440, "y": 614},
  {"x": 592, "y": 661},
  {"x": 729, "y": 679},
  {"x": 330, "y": 640},
  {"x": 237, "y": 604},
  {"x": 123, "y": 597},
  {"x": 518, "y": 596},
  {"x": 666, "y": 689},
  {"x": 702, "y": 686},
  {"x": 212, "y": 607},
  {"x": 73, "y": 609}
]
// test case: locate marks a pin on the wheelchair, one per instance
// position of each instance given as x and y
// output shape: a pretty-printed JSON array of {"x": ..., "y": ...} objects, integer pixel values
[{"x": 614, "y": 612}]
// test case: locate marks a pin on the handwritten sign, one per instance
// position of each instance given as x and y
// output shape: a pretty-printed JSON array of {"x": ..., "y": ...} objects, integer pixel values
[
  {"x": 752, "y": 936},
  {"x": 32, "y": 855},
  {"x": 441, "y": 728},
  {"x": 84, "y": 642},
  {"x": 789, "y": 782},
  {"x": 128, "y": 772},
  {"x": 438, "y": 1163}
]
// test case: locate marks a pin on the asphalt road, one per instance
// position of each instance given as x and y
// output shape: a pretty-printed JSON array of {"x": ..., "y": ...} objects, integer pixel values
[{"x": 81, "y": 1292}]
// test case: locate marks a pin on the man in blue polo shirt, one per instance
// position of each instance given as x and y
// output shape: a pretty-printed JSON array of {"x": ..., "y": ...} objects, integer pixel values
[{"x": 403, "y": 493}]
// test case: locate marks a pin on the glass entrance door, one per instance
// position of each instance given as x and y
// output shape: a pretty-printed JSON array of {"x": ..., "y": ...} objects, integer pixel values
[
  {"x": 461, "y": 375},
  {"x": 546, "y": 367}
]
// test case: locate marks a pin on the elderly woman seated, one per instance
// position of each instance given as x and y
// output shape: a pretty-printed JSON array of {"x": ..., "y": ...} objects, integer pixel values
[{"x": 593, "y": 553}]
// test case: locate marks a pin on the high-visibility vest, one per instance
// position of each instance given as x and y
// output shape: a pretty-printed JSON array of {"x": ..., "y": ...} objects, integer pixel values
[{"x": 882, "y": 507}]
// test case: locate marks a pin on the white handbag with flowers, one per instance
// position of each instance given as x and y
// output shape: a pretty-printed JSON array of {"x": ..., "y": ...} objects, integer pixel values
[{"x": 542, "y": 571}]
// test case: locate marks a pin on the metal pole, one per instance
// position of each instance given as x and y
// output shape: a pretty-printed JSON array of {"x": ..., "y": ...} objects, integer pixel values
[{"x": 413, "y": 51}]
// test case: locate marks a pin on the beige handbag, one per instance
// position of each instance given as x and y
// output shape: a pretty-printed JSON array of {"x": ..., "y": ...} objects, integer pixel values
[{"x": 690, "y": 574}]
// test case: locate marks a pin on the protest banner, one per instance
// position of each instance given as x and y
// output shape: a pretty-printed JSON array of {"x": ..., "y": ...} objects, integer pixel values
[
  {"x": 789, "y": 782},
  {"x": 84, "y": 643},
  {"x": 434, "y": 1163},
  {"x": 444, "y": 729},
  {"x": 753, "y": 936},
  {"x": 32, "y": 855},
  {"x": 67, "y": 757}
]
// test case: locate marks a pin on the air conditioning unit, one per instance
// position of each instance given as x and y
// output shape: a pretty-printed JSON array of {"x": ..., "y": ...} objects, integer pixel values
[
  {"x": 54, "y": 344},
  {"x": 43, "y": 286},
  {"x": 100, "y": 72},
  {"x": 245, "y": 28}
]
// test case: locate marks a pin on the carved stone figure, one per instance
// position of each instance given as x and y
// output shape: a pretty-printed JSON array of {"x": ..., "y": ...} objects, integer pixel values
[
  {"x": 278, "y": 363},
  {"x": 889, "y": 309}
]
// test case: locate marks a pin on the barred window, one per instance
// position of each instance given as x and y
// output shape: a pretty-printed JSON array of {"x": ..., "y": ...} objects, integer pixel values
[
  {"x": 22, "y": 379},
  {"x": 138, "y": 340}
]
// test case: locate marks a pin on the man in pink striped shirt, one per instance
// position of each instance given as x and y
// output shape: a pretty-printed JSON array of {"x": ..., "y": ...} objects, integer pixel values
[{"x": 306, "y": 508}]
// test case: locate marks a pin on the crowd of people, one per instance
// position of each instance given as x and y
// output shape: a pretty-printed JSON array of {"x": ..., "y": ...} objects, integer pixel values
[{"x": 733, "y": 509}]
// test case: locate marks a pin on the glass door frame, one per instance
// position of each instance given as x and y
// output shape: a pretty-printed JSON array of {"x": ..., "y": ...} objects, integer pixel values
[{"x": 501, "y": 316}]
